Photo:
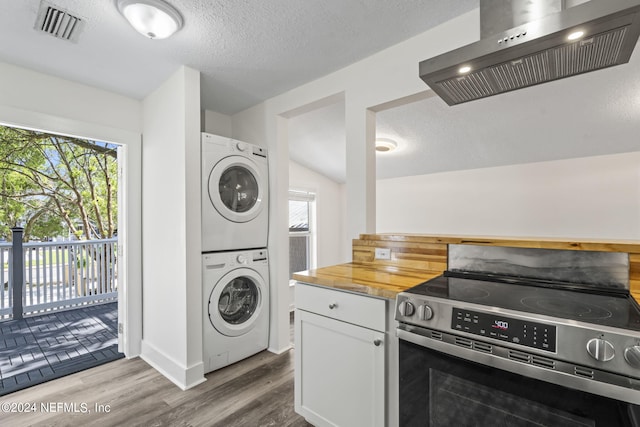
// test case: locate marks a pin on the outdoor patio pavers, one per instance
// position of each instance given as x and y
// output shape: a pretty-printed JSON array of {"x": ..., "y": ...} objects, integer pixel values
[{"x": 40, "y": 348}]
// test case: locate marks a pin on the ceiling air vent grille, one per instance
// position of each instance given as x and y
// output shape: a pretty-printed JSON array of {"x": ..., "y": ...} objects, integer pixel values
[{"x": 58, "y": 22}]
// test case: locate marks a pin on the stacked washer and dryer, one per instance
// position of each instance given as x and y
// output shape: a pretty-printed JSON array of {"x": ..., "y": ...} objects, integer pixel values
[{"x": 235, "y": 262}]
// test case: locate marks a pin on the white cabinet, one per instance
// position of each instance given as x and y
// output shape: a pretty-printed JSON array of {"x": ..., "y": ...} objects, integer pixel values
[{"x": 340, "y": 362}]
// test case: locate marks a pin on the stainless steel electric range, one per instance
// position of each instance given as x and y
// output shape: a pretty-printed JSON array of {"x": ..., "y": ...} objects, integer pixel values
[{"x": 519, "y": 337}]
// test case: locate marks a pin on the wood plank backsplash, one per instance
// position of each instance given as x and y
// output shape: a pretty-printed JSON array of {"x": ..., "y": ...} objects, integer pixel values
[
  {"x": 634, "y": 275},
  {"x": 404, "y": 253},
  {"x": 429, "y": 252}
]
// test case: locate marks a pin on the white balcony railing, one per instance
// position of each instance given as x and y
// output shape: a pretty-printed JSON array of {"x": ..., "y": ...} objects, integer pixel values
[{"x": 60, "y": 275}]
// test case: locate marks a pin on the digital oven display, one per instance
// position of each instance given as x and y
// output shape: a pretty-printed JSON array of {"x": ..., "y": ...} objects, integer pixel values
[{"x": 530, "y": 334}]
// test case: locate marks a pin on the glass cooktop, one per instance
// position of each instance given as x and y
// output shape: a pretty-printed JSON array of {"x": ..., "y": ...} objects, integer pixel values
[{"x": 619, "y": 311}]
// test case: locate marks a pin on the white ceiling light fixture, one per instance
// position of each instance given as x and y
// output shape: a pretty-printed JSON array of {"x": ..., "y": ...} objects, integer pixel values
[
  {"x": 385, "y": 145},
  {"x": 155, "y": 19}
]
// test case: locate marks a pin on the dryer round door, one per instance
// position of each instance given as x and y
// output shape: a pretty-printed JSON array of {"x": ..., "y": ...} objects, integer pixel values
[
  {"x": 236, "y": 302},
  {"x": 236, "y": 189}
]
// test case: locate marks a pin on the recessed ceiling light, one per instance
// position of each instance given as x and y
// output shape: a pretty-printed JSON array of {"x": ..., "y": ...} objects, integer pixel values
[
  {"x": 155, "y": 19},
  {"x": 385, "y": 145},
  {"x": 575, "y": 35},
  {"x": 464, "y": 70}
]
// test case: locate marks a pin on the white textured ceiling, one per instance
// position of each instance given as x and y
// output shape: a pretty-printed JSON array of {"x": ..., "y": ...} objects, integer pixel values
[{"x": 246, "y": 50}]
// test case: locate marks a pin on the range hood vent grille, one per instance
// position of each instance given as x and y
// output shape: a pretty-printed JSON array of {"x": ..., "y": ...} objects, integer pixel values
[
  {"x": 58, "y": 22},
  {"x": 600, "y": 51},
  {"x": 535, "y": 58},
  {"x": 588, "y": 55},
  {"x": 527, "y": 71}
]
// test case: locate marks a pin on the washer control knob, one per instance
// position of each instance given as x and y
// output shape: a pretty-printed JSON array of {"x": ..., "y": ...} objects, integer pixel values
[
  {"x": 600, "y": 349},
  {"x": 241, "y": 146},
  {"x": 241, "y": 259},
  {"x": 406, "y": 309},
  {"x": 632, "y": 356},
  {"x": 425, "y": 312}
]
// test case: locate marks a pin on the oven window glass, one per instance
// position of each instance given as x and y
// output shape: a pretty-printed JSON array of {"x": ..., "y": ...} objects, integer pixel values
[
  {"x": 238, "y": 189},
  {"x": 442, "y": 390},
  {"x": 458, "y": 402}
]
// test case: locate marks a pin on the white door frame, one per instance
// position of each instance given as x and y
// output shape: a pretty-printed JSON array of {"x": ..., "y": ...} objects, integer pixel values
[{"x": 129, "y": 210}]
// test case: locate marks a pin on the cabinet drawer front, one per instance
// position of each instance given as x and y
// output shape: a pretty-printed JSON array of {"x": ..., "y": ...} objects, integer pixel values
[{"x": 356, "y": 309}]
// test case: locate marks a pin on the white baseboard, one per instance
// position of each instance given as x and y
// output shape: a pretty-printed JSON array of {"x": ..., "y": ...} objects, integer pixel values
[
  {"x": 282, "y": 350},
  {"x": 183, "y": 377}
]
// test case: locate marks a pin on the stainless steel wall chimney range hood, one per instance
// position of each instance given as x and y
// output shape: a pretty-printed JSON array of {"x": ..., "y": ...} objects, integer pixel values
[{"x": 528, "y": 42}]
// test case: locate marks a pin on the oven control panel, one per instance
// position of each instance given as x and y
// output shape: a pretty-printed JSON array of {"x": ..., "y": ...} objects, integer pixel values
[{"x": 496, "y": 326}]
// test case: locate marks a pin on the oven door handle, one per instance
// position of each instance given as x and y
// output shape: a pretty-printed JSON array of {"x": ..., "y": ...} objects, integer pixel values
[{"x": 418, "y": 337}]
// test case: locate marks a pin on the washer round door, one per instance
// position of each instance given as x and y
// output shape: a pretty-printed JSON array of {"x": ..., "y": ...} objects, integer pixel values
[
  {"x": 236, "y": 302},
  {"x": 236, "y": 189}
]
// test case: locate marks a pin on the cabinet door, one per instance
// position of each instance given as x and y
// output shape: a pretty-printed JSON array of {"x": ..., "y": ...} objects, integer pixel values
[{"x": 339, "y": 372}]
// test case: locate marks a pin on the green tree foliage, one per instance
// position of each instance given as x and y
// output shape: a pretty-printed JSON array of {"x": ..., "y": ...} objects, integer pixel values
[{"x": 51, "y": 183}]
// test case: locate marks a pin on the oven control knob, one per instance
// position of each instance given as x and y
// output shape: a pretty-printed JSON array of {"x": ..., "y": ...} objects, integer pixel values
[
  {"x": 600, "y": 349},
  {"x": 425, "y": 312},
  {"x": 632, "y": 356},
  {"x": 406, "y": 309}
]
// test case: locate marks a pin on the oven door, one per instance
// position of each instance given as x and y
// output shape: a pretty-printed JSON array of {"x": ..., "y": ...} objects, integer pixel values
[{"x": 442, "y": 390}]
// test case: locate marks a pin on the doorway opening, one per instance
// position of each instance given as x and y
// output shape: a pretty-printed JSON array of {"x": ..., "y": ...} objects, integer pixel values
[{"x": 59, "y": 255}]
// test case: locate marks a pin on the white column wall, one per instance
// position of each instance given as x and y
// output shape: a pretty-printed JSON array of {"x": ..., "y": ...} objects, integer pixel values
[
  {"x": 172, "y": 309},
  {"x": 360, "y": 125}
]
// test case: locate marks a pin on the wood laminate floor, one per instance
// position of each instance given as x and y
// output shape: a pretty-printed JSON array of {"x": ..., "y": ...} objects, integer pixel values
[{"x": 257, "y": 391}]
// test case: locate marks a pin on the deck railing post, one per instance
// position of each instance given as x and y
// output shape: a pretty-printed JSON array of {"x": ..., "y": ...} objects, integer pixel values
[{"x": 17, "y": 266}]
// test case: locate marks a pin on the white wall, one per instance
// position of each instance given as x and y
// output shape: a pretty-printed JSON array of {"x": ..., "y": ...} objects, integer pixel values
[
  {"x": 329, "y": 213},
  {"x": 592, "y": 197},
  {"x": 216, "y": 123},
  {"x": 34, "y": 100},
  {"x": 330, "y": 217},
  {"x": 172, "y": 308},
  {"x": 250, "y": 126},
  {"x": 59, "y": 100}
]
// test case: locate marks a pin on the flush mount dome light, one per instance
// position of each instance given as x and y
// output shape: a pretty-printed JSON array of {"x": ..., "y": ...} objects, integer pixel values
[
  {"x": 385, "y": 145},
  {"x": 151, "y": 18}
]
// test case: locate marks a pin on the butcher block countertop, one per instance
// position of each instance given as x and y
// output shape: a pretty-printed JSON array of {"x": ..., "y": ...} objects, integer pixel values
[{"x": 372, "y": 280}]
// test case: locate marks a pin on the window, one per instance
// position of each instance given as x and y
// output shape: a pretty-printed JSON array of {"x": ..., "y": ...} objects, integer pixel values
[{"x": 301, "y": 230}]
